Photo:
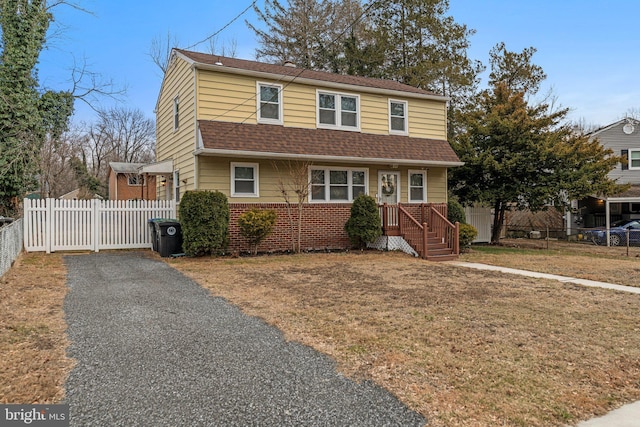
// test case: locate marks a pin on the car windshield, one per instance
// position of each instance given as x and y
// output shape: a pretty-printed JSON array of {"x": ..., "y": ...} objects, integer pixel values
[{"x": 620, "y": 223}]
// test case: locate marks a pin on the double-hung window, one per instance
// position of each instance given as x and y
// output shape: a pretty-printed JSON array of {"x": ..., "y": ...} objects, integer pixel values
[
  {"x": 398, "y": 117},
  {"x": 269, "y": 103},
  {"x": 338, "y": 111},
  {"x": 417, "y": 186},
  {"x": 244, "y": 180},
  {"x": 634, "y": 159},
  {"x": 337, "y": 185},
  {"x": 176, "y": 113}
]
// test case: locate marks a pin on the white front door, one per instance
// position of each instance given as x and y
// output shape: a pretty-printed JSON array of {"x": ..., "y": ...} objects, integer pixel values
[{"x": 389, "y": 187}]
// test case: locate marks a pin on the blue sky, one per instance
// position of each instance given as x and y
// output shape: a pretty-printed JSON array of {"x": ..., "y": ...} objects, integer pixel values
[{"x": 586, "y": 47}]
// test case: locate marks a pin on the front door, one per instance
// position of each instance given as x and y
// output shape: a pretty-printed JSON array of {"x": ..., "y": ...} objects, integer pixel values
[{"x": 389, "y": 187}]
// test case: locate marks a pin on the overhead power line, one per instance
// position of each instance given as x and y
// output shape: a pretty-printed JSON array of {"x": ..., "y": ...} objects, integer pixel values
[{"x": 223, "y": 28}]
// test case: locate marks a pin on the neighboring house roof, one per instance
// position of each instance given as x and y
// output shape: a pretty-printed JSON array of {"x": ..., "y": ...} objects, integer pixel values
[
  {"x": 288, "y": 73},
  {"x": 121, "y": 167},
  {"x": 275, "y": 141},
  {"x": 631, "y": 195},
  {"x": 612, "y": 125},
  {"x": 157, "y": 168}
]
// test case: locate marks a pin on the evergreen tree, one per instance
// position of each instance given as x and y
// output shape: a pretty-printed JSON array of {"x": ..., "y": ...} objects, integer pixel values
[{"x": 519, "y": 154}]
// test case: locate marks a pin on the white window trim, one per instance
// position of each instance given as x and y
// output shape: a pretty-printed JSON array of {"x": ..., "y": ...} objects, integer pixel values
[
  {"x": 177, "y": 196},
  {"x": 256, "y": 177},
  {"x": 176, "y": 113},
  {"x": 139, "y": 179},
  {"x": 280, "y": 108},
  {"x": 327, "y": 183},
  {"x": 406, "y": 118},
  {"x": 424, "y": 181},
  {"x": 338, "y": 96},
  {"x": 633, "y": 150}
]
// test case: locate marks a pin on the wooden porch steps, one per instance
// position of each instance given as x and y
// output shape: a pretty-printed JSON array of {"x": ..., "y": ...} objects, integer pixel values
[
  {"x": 432, "y": 233},
  {"x": 437, "y": 250}
]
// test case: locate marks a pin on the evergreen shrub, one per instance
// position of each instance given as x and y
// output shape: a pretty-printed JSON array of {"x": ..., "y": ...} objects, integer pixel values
[
  {"x": 364, "y": 225},
  {"x": 255, "y": 225},
  {"x": 204, "y": 217}
]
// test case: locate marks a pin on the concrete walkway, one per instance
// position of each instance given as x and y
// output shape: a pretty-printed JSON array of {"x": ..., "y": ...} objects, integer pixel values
[
  {"x": 564, "y": 279},
  {"x": 626, "y": 416}
]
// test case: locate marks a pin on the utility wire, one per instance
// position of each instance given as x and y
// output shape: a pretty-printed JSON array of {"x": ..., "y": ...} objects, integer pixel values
[
  {"x": 223, "y": 28},
  {"x": 331, "y": 43}
]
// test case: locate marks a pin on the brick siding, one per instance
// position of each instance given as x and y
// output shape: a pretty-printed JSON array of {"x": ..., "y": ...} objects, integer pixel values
[{"x": 322, "y": 227}]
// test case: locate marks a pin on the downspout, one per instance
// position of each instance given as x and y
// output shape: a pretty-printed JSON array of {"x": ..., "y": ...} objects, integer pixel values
[{"x": 196, "y": 174}]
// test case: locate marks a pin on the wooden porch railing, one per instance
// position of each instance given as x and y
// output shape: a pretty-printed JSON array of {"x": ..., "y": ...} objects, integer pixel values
[{"x": 433, "y": 227}]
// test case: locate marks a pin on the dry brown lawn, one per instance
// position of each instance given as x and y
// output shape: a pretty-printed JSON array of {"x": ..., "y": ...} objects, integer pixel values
[
  {"x": 33, "y": 364},
  {"x": 581, "y": 260},
  {"x": 462, "y": 347}
]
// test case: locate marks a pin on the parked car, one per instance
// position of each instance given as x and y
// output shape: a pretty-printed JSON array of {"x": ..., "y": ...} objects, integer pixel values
[{"x": 617, "y": 233}]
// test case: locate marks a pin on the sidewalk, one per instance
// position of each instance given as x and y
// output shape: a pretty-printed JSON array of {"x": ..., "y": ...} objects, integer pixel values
[{"x": 626, "y": 416}]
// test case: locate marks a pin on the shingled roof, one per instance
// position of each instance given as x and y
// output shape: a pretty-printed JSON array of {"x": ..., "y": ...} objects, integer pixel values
[
  {"x": 279, "y": 71},
  {"x": 262, "y": 140}
]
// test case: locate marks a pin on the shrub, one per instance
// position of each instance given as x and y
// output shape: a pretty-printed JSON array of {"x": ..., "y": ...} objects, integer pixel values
[
  {"x": 468, "y": 234},
  {"x": 455, "y": 212},
  {"x": 204, "y": 216},
  {"x": 255, "y": 225},
  {"x": 364, "y": 224}
]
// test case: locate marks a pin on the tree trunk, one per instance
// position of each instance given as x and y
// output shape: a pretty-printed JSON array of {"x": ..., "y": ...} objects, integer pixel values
[{"x": 498, "y": 220}]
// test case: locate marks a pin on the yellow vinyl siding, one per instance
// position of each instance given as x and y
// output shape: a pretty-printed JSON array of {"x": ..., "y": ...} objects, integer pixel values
[
  {"x": 215, "y": 175},
  {"x": 299, "y": 106},
  {"x": 436, "y": 185},
  {"x": 177, "y": 144},
  {"x": 232, "y": 98}
]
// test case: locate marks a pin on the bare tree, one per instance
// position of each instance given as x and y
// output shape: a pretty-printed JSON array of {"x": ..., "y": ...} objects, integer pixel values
[
  {"x": 293, "y": 184},
  {"x": 160, "y": 50},
  {"x": 119, "y": 135},
  {"x": 223, "y": 50}
]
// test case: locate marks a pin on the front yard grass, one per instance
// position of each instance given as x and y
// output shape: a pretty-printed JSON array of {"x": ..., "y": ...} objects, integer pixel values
[
  {"x": 33, "y": 363},
  {"x": 462, "y": 347},
  {"x": 581, "y": 260}
]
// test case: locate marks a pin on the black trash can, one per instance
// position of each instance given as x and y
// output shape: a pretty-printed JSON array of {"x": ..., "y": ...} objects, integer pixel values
[
  {"x": 169, "y": 236},
  {"x": 153, "y": 231}
]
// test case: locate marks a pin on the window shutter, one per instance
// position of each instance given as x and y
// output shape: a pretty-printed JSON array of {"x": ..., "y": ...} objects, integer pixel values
[{"x": 625, "y": 162}]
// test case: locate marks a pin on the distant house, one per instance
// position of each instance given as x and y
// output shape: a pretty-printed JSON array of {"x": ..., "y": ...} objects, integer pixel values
[
  {"x": 240, "y": 127},
  {"x": 128, "y": 182},
  {"x": 623, "y": 137},
  {"x": 77, "y": 194}
]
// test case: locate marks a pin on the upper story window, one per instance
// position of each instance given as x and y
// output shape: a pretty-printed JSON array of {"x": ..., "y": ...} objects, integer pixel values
[
  {"x": 244, "y": 179},
  {"x": 176, "y": 113},
  {"x": 269, "y": 103},
  {"x": 634, "y": 159},
  {"x": 398, "y": 117},
  {"x": 338, "y": 111},
  {"x": 337, "y": 185}
]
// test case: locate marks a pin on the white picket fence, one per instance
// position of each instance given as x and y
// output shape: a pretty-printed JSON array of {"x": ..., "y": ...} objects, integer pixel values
[{"x": 61, "y": 225}]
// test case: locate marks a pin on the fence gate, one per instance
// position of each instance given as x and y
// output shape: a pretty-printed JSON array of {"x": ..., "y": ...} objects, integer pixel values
[
  {"x": 482, "y": 219},
  {"x": 53, "y": 225}
]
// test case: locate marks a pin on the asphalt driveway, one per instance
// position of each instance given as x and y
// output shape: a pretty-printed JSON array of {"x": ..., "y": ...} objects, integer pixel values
[{"x": 153, "y": 348}]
